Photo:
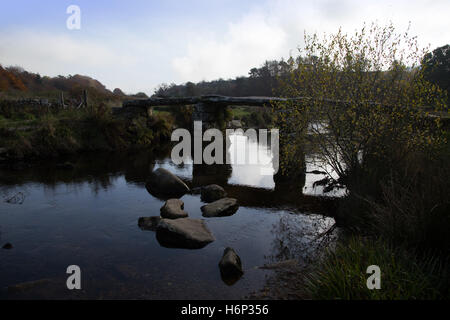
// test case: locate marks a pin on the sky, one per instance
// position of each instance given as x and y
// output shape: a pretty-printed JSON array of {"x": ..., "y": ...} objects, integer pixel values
[{"x": 136, "y": 45}]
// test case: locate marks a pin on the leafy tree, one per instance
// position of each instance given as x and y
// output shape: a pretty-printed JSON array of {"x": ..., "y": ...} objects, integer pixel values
[
  {"x": 437, "y": 67},
  {"x": 364, "y": 100}
]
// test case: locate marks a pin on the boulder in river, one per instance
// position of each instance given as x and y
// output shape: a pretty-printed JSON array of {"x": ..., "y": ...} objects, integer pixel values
[
  {"x": 183, "y": 233},
  {"x": 164, "y": 184},
  {"x": 173, "y": 209},
  {"x": 220, "y": 208},
  {"x": 230, "y": 267},
  {"x": 149, "y": 223},
  {"x": 7, "y": 246},
  {"x": 212, "y": 193}
]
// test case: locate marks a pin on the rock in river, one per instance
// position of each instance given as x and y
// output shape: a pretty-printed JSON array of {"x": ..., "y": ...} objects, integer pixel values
[
  {"x": 149, "y": 223},
  {"x": 163, "y": 183},
  {"x": 7, "y": 246},
  {"x": 220, "y": 208},
  {"x": 212, "y": 193},
  {"x": 173, "y": 209},
  {"x": 183, "y": 233},
  {"x": 230, "y": 267}
]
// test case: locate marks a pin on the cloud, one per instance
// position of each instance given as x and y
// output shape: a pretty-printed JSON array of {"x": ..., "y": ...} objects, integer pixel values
[
  {"x": 32, "y": 50},
  {"x": 252, "y": 39},
  {"x": 275, "y": 29}
]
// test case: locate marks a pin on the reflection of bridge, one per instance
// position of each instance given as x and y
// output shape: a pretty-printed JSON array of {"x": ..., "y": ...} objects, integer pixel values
[
  {"x": 286, "y": 193},
  {"x": 281, "y": 197}
]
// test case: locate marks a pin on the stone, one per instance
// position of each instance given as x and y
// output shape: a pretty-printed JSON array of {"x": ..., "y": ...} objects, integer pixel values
[
  {"x": 163, "y": 183},
  {"x": 212, "y": 193},
  {"x": 220, "y": 208},
  {"x": 183, "y": 233},
  {"x": 230, "y": 267},
  {"x": 173, "y": 209},
  {"x": 7, "y": 246},
  {"x": 149, "y": 223}
]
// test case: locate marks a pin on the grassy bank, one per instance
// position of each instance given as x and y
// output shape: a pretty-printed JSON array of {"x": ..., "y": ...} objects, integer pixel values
[
  {"x": 27, "y": 133},
  {"x": 398, "y": 220},
  {"x": 404, "y": 273}
]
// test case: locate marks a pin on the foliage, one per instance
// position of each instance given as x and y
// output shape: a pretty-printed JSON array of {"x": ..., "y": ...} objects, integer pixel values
[
  {"x": 15, "y": 82},
  {"x": 261, "y": 118},
  {"x": 365, "y": 97},
  {"x": 369, "y": 112},
  {"x": 436, "y": 66},
  {"x": 341, "y": 274},
  {"x": 57, "y": 133}
]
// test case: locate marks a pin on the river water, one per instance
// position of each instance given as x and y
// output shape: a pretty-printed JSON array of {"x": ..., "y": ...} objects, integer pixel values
[{"x": 88, "y": 216}]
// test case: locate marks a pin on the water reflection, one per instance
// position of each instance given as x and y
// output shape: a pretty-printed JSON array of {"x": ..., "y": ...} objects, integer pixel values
[
  {"x": 88, "y": 216},
  {"x": 258, "y": 155}
]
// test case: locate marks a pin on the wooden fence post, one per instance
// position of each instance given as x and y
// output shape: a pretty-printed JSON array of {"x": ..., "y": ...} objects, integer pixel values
[
  {"x": 85, "y": 98},
  {"x": 62, "y": 100}
]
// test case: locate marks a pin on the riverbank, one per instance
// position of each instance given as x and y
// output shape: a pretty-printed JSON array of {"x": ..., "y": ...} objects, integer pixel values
[
  {"x": 404, "y": 232},
  {"x": 27, "y": 137}
]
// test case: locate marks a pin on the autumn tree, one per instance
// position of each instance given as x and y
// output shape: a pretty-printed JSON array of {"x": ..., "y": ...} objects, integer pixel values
[{"x": 365, "y": 99}]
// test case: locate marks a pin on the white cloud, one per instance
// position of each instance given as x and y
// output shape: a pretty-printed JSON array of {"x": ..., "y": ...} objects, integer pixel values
[
  {"x": 275, "y": 29},
  {"x": 34, "y": 50},
  {"x": 254, "y": 38}
]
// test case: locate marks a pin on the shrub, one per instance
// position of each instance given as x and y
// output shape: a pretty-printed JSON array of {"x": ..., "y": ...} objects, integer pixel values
[{"x": 341, "y": 274}]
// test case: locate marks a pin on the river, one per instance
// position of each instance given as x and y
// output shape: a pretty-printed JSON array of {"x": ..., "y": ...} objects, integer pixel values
[{"x": 88, "y": 216}]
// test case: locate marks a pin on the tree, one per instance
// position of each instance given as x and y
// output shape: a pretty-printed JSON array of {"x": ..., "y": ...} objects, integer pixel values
[
  {"x": 365, "y": 95},
  {"x": 436, "y": 66}
]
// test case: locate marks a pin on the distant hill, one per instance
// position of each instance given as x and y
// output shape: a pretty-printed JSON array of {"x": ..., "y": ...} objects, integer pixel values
[
  {"x": 17, "y": 82},
  {"x": 9, "y": 81}
]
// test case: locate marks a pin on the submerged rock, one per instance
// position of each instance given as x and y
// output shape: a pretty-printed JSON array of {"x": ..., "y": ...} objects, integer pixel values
[
  {"x": 7, "y": 246},
  {"x": 220, "y": 208},
  {"x": 212, "y": 193},
  {"x": 183, "y": 233},
  {"x": 173, "y": 209},
  {"x": 149, "y": 223},
  {"x": 230, "y": 267},
  {"x": 163, "y": 183}
]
